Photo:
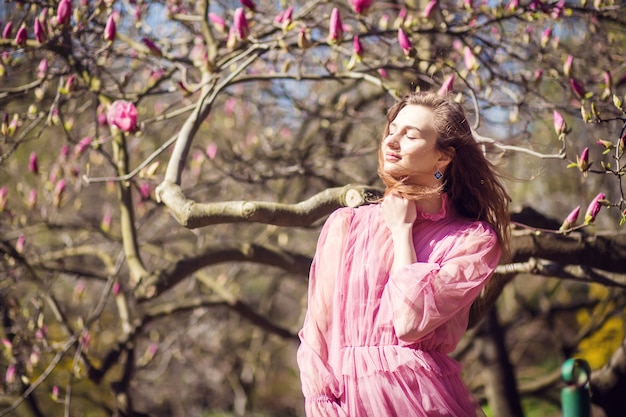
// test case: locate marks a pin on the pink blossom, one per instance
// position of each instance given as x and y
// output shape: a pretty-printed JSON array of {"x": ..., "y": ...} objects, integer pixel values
[
  {"x": 249, "y": 4},
  {"x": 10, "y": 375},
  {"x": 110, "y": 30},
  {"x": 545, "y": 37},
  {"x": 583, "y": 160},
  {"x": 405, "y": 42},
  {"x": 22, "y": 36},
  {"x": 33, "y": 165},
  {"x": 116, "y": 288},
  {"x": 42, "y": 68},
  {"x": 360, "y": 6},
  {"x": 357, "y": 47},
  {"x": 240, "y": 23},
  {"x": 608, "y": 80},
  {"x": 429, "y": 8},
  {"x": 567, "y": 66},
  {"x": 144, "y": 190},
  {"x": 19, "y": 245},
  {"x": 469, "y": 59},
  {"x": 123, "y": 115},
  {"x": 40, "y": 31},
  {"x": 3, "y": 198},
  {"x": 594, "y": 208},
  {"x": 538, "y": 75},
  {"x": 218, "y": 22},
  {"x": 82, "y": 145},
  {"x": 59, "y": 190},
  {"x": 64, "y": 11},
  {"x": 577, "y": 87},
  {"x": 559, "y": 123},
  {"x": 8, "y": 28},
  {"x": 335, "y": 28},
  {"x": 513, "y": 5},
  {"x": 55, "y": 393},
  {"x": 65, "y": 151},
  {"x": 152, "y": 47},
  {"x": 447, "y": 86},
  {"x": 303, "y": 39},
  {"x": 32, "y": 199},
  {"x": 211, "y": 150},
  {"x": 105, "y": 223}
]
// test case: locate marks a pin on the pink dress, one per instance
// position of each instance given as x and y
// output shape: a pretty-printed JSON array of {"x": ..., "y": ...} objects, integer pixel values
[{"x": 375, "y": 344}]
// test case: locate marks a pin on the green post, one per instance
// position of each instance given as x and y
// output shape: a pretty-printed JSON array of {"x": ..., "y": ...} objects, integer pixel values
[{"x": 575, "y": 395}]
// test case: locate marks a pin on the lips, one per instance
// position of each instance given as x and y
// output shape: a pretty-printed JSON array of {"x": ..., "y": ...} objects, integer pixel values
[{"x": 392, "y": 157}]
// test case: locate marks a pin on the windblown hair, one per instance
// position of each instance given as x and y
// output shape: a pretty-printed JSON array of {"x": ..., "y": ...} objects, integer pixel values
[{"x": 470, "y": 180}]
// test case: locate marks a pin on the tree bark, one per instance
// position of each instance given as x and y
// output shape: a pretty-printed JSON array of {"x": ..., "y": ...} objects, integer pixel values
[
  {"x": 500, "y": 384},
  {"x": 608, "y": 384}
]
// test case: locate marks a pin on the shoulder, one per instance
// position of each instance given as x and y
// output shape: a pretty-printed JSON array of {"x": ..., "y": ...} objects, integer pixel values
[{"x": 468, "y": 233}]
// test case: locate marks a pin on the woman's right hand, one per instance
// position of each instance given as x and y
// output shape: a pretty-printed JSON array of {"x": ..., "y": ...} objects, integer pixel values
[{"x": 398, "y": 212}]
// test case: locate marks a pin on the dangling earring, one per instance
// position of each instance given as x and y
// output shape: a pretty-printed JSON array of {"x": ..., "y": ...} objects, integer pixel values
[{"x": 438, "y": 175}]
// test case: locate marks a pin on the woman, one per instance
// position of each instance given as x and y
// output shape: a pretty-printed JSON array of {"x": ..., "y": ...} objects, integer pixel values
[{"x": 391, "y": 284}]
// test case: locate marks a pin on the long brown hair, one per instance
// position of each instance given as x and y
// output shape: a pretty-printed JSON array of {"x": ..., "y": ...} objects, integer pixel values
[{"x": 470, "y": 180}]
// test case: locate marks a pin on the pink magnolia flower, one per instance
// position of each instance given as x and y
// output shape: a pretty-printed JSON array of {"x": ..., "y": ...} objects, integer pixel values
[
  {"x": 428, "y": 10},
  {"x": 594, "y": 208},
  {"x": 360, "y": 6},
  {"x": 64, "y": 11},
  {"x": 357, "y": 47},
  {"x": 405, "y": 42},
  {"x": 513, "y": 5},
  {"x": 218, "y": 22},
  {"x": 42, "y": 68},
  {"x": 82, "y": 145},
  {"x": 152, "y": 47},
  {"x": 123, "y": 115},
  {"x": 303, "y": 39},
  {"x": 249, "y": 4},
  {"x": 567, "y": 66},
  {"x": 110, "y": 30},
  {"x": 3, "y": 197},
  {"x": 582, "y": 161},
  {"x": 32, "y": 199},
  {"x": 559, "y": 123},
  {"x": 240, "y": 23},
  {"x": 40, "y": 31},
  {"x": 33, "y": 166},
  {"x": 577, "y": 87},
  {"x": 608, "y": 80},
  {"x": 538, "y": 76},
  {"x": 469, "y": 59},
  {"x": 447, "y": 86},
  {"x": 545, "y": 37},
  {"x": 8, "y": 28},
  {"x": 20, "y": 243},
  {"x": 211, "y": 150},
  {"x": 9, "y": 376},
  {"x": 335, "y": 28},
  {"x": 59, "y": 190},
  {"x": 22, "y": 36}
]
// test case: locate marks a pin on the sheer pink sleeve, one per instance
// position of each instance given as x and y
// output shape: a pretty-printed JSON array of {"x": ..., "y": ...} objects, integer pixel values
[
  {"x": 320, "y": 386},
  {"x": 424, "y": 295}
]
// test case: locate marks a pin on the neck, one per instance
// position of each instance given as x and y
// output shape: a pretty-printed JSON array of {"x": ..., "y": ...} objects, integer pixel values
[{"x": 430, "y": 205}]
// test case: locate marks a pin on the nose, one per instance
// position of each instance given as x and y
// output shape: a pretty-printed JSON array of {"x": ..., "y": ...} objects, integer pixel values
[{"x": 392, "y": 141}]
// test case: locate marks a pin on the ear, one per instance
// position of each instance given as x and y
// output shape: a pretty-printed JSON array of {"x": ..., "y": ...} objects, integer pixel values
[{"x": 445, "y": 157}]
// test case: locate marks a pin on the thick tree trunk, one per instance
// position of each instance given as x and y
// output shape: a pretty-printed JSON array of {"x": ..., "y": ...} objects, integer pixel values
[
  {"x": 500, "y": 384},
  {"x": 608, "y": 385}
]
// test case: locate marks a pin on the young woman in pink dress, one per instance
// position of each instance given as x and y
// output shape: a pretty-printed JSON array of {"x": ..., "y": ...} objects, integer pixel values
[{"x": 391, "y": 284}]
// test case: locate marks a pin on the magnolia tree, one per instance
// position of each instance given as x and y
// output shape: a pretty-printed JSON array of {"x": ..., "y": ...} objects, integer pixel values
[{"x": 165, "y": 167}]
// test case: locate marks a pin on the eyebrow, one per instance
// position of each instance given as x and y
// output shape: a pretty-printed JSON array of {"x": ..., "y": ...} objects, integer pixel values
[{"x": 409, "y": 127}]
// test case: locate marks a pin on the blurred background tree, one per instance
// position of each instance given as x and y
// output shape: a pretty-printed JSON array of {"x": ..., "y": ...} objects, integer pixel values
[{"x": 165, "y": 168}]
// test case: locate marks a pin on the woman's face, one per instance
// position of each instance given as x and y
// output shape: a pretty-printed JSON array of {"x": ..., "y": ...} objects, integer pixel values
[{"x": 410, "y": 150}]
